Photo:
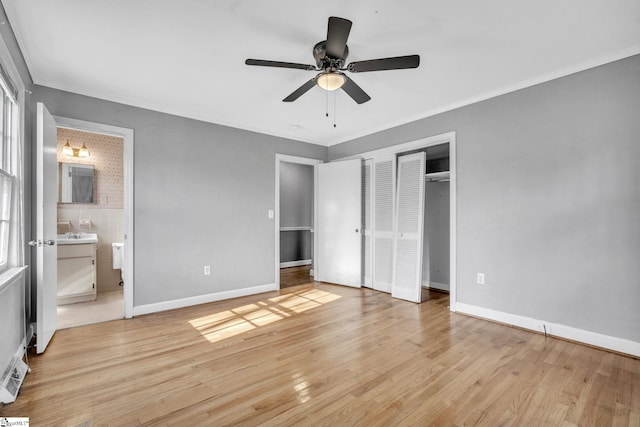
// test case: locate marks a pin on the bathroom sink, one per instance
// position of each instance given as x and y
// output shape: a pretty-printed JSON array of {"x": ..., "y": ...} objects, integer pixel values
[{"x": 77, "y": 238}]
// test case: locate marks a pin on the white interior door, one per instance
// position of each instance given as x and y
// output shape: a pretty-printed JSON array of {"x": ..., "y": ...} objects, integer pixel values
[
  {"x": 384, "y": 192},
  {"x": 46, "y": 230},
  {"x": 409, "y": 224},
  {"x": 339, "y": 216}
]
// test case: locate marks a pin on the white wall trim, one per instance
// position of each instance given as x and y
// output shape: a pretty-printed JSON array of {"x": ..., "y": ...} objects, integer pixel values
[
  {"x": 453, "y": 222},
  {"x": 553, "y": 75},
  {"x": 435, "y": 285},
  {"x": 295, "y": 263},
  {"x": 554, "y": 329},
  {"x": 296, "y": 229},
  {"x": 128, "y": 136},
  {"x": 442, "y": 138},
  {"x": 201, "y": 299},
  {"x": 298, "y": 160}
]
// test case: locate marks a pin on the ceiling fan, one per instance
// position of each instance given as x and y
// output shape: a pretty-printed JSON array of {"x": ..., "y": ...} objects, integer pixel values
[{"x": 330, "y": 56}]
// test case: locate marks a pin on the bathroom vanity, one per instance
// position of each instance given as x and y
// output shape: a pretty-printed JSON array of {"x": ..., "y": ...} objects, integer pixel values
[{"x": 77, "y": 268}]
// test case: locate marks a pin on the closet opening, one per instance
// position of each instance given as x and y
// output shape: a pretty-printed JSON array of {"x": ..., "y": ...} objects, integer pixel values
[
  {"x": 409, "y": 219},
  {"x": 436, "y": 248},
  {"x": 435, "y": 238}
]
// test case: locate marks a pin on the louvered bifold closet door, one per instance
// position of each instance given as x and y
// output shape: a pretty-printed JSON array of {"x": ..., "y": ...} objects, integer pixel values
[
  {"x": 367, "y": 260},
  {"x": 384, "y": 185},
  {"x": 409, "y": 223}
]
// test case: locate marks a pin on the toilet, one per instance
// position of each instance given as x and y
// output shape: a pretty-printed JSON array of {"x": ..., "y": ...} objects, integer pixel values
[{"x": 118, "y": 259}]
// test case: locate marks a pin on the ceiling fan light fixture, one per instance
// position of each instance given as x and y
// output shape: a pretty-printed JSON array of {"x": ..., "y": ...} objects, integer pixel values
[{"x": 331, "y": 81}]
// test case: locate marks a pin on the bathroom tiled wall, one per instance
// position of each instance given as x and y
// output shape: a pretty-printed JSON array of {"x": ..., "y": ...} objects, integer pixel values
[{"x": 106, "y": 215}]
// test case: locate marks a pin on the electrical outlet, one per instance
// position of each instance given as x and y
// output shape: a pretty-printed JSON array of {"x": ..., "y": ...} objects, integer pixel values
[
  {"x": 480, "y": 279},
  {"x": 207, "y": 270}
]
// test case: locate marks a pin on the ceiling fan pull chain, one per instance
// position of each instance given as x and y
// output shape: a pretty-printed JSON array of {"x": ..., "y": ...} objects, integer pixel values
[
  {"x": 334, "y": 110},
  {"x": 326, "y": 103}
]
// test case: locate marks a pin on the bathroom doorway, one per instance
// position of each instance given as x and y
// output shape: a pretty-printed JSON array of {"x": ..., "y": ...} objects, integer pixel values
[{"x": 92, "y": 224}]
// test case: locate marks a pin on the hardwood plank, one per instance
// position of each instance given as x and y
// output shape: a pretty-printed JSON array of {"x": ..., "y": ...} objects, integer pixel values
[
  {"x": 293, "y": 276},
  {"x": 319, "y": 354}
]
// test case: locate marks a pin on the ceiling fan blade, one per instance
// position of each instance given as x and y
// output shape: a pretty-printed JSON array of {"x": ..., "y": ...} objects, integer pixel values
[
  {"x": 300, "y": 91},
  {"x": 337, "y": 35},
  {"x": 264, "y": 63},
  {"x": 396, "y": 63},
  {"x": 355, "y": 91}
]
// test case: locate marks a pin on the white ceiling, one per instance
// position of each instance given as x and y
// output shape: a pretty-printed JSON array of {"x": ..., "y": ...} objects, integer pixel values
[{"x": 187, "y": 57}]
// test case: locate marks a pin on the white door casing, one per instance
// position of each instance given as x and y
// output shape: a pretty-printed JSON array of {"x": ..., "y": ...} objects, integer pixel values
[
  {"x": 409, "y": 225},
  {"x": 367, "y": 233},
  {"x": 128, "y": 136},
  {"x": 339, "y": 216},
  {"x": 46, "y": 227},
  {"x": 301, "y": 161},
  {"x": 384, "y": 193}
]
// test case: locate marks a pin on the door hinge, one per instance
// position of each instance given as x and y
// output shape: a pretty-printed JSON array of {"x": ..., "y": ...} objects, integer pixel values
[
  {"x": 93, "y": 286},
  {"x": 93, "y": 262}
]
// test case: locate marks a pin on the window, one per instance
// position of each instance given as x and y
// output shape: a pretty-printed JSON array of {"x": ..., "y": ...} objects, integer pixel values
[
  {"x": 6, "y": 182},
  {"x": 8, "y": 119}
]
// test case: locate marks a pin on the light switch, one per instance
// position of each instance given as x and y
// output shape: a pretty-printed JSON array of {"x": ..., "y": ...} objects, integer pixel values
[{"x": 270, "y": 214}]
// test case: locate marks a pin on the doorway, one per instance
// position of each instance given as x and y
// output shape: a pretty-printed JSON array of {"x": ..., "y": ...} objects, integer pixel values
[
  {"x": 90, "y": 203},
  {"x": 294, "y": 219},
  {"x": 109, "y": 216}
]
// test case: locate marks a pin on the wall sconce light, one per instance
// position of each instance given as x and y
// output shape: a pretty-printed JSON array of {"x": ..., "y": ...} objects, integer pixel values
[{"x": 68, "y": 150}]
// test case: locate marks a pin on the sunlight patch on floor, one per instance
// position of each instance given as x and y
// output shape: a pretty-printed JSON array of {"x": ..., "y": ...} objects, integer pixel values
[
  {"x": 301, "y": 388},
  {"x": 229, "y": 323}
]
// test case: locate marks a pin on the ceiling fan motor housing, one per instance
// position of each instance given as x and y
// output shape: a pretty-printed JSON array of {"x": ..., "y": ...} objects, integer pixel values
[{"x": 325, "y": 62}]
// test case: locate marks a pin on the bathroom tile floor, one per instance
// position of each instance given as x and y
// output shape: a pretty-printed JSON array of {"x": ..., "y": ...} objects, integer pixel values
[{"x": 107, "y": 306}]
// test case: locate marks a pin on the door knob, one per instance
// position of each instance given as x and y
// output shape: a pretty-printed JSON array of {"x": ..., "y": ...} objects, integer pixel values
[
  {"x": 49, "y": 242},
  {"x": 34, "y": 243}
]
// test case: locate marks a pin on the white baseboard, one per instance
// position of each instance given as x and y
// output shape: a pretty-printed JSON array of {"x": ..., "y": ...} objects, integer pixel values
[
  {"x": 620, "y": 345},
  {"x": 201, "y": 299},
  {"x": 436, "y": 285},
  {"x": 295, "y": 263}
]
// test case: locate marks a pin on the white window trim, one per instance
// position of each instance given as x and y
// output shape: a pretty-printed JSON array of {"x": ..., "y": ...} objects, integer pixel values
[{"x": 16, "y": 250}]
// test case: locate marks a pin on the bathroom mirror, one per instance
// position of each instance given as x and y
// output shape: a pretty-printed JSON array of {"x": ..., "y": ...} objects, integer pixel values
[{"x": 76, "y": 183}]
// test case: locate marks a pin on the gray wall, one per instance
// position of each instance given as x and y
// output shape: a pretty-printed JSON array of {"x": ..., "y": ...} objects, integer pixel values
[
  {"x": 436, "y": 234},
  {"x": 296, "y": 195},
  {"x": 202, "y": 192},
  {"x": 548, "y": 198},
  {"x": 296, "y": 210},
  {"x": 295, "y": 245}
]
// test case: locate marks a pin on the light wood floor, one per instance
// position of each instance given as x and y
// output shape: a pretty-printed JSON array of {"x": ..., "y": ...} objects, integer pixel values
[
  {"x": 320, "y": 354},
  {"x": 293, "y": 276}
]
